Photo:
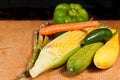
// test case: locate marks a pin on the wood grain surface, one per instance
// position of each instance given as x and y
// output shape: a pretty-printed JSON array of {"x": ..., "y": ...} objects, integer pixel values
[{"x": 16, "y": 51}]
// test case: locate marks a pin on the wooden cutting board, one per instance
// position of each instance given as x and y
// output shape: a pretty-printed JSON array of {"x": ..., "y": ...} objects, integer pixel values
[{"x": 16, "y": 51}]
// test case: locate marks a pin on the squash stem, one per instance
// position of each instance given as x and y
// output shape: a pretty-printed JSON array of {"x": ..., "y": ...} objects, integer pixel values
[{"x": 117, "y": 30}]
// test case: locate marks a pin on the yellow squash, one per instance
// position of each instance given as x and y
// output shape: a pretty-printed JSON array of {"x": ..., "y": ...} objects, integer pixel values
[{"x": 107, "y": 55}]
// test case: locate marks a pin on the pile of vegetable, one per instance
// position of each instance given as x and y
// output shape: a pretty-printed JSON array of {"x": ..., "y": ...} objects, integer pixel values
[{"x": 82, "y": 43}]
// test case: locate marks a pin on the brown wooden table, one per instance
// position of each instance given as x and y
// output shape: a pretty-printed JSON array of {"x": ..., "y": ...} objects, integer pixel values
[{"x": 16, "y": 50}]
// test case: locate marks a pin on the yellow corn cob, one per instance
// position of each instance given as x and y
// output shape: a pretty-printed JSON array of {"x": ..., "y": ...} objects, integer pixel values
[
  {"x": 63, "y": 45},
  {"x": 57, "y": 52}
]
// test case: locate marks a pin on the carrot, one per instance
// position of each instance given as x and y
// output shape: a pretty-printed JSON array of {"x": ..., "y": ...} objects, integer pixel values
[{"x": 51, "y": 29}]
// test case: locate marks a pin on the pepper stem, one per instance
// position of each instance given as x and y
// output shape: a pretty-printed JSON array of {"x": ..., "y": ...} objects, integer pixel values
[{"x": 73, "y": 12}]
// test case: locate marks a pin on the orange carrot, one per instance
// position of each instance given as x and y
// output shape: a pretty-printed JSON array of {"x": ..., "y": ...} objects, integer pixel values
[{"x": 47, "y": 30}]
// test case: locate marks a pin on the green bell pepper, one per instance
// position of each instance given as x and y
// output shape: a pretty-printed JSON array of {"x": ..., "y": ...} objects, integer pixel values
[{"x": 73, "y": 12}]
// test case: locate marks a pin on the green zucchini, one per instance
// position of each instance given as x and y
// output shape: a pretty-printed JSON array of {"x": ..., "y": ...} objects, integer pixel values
[{"x": 79, "y": 61}]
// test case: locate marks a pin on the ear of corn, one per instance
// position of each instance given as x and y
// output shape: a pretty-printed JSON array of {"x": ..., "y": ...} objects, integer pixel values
[{"x": 56, "y": 53}]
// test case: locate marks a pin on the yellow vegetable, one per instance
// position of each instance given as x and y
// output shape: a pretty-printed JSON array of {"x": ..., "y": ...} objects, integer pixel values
[
  {"x": 56, "y": 53},
  {"x": 107, "y": 55}
]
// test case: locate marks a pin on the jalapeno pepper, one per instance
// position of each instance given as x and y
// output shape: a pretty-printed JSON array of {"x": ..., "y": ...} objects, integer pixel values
[
  {"x": 73, "y": 12},
  {"x": 101, "y": 34}
]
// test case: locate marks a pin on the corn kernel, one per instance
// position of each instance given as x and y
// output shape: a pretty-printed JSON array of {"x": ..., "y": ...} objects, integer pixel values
[{"x": 67, "y": 41}]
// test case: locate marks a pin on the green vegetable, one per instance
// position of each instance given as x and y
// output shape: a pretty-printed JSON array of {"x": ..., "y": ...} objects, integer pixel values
[
  {"x": 80, "y": 60},
  {"x": 73, "y": 12},
  {"x": 100, "y": 34},
  {"x": 39, "y": 41}
]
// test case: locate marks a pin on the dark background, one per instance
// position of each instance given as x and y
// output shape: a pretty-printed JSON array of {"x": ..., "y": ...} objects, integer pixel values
[{"x": 43, "y": 9}]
